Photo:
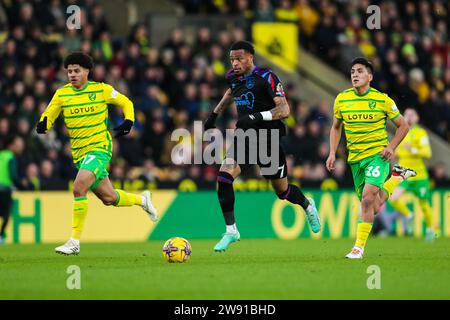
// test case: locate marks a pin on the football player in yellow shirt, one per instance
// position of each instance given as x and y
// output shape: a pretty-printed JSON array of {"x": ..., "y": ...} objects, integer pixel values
[
  {"x": 84, "y": 107},
  {"x": 411, "y": 153},
  {"x": 362, "y": 112}
]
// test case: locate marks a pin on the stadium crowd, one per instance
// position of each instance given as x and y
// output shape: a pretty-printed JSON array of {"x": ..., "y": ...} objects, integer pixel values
[
  {"x": 172, "y": 86},
  {"x": 410, "y": 50}
]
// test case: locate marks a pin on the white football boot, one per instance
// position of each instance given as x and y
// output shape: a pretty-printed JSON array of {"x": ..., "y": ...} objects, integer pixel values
[
  {"x": 405, "y": 173},
  {"x": 148, "y": 206},
  {"x": 356, "y": 253},
  {"x": 71, "y": 247}
]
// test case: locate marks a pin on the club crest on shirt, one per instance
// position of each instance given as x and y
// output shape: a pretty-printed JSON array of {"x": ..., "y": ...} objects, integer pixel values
[
  {"x": 280, "y": 90},
  {"x": 250, "y": 83},
  {"x": 92, "y": 96},
  {"x": 372, "y": 104}
]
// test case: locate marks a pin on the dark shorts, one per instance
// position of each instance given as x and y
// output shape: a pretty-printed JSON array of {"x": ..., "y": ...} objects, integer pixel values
[
  {"x": 5, "y": 202},
  {"x": 261, "y": 150}
]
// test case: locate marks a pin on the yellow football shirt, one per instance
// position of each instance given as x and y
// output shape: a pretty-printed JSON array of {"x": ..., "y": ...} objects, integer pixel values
[
  {"x": 414, "y": 148},
  {"x": 85, "y": 113},
  {"x": 364, "y": 118}
]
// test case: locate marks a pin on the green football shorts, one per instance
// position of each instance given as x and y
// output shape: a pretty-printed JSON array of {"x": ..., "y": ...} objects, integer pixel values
[
  {"x": 420, "y": 188},
  {"x": 373, "y": 170},
  {"x": 96, "y": 162}
]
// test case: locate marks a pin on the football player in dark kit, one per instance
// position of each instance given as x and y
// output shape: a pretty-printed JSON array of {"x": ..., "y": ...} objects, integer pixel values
[{"x": 261, "y": 104}]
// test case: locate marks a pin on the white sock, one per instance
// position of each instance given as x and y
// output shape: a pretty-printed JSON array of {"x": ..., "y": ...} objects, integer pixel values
[
  {"x": 309, "y": 208},
  {"x": 143, "y": 201},
  {"x": 232, "y": 229}
]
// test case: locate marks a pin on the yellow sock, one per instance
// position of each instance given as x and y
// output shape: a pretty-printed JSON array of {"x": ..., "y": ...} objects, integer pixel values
[
  {"x": 391, "y": 184},
  {"x": 427, "y": 214},
  {"x": 80, "y": 209},
  {"x": 362, "y": 233},
  {"x": 125, "y": 199},
  {"x": 401, "y": 207}
]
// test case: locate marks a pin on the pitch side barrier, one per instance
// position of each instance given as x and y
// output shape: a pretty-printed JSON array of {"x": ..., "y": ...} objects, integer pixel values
[{"x": 45, "y": 217}]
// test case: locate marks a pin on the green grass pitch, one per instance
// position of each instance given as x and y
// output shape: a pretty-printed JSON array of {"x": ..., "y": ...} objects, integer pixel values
[{"x": 251, "y": 269}]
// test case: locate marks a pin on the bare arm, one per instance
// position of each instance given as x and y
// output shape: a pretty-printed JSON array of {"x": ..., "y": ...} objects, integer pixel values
[
  {"x": 224, "y": 102},
  {"x": 281, "y": 110},
  {"x": 400, "y": 133},
  {"x": 335, "y": 136}
]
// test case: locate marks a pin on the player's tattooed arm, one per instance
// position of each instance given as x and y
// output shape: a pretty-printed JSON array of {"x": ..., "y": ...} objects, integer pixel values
[
  {"x": 281, "y": 110},
  {"x": 224, "y": 102}
]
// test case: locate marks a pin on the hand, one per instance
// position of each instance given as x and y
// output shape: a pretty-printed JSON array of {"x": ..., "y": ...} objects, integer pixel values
[
  {"x": 211, "y": 121},
  {"x": 124, "y": 128},
  {"x": 387, "y": 153},
  {"x": 248, "y": 120},
  {"x": 41, "y": 127},
  {"x": 330, "y": 162}
]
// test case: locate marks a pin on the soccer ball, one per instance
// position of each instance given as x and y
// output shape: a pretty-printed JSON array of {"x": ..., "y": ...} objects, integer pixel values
[{"x": 177, "y": 249}]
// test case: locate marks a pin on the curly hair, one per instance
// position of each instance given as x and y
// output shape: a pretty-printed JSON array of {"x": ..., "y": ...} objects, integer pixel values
[{"x": 80, "y": 58}]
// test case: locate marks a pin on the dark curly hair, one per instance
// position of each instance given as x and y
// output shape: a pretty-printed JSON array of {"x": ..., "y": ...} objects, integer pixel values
[
  {"x": 245, "y": 45},
  {"x": 80, "y": 58}
]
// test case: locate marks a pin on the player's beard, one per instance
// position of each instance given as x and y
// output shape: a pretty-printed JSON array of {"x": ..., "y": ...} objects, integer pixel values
[{"x": 245, "y": 71}]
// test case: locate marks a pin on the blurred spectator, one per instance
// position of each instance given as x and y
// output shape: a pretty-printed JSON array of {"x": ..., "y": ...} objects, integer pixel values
[
  {"x": 48, "y": 180},
  {"x": 263, "y": 12},
  {"x": 439, "y": 176},
  {"x": 31, "y": 180},
  {"x": 9, "y": 178},
  {"x": 285, "y": 12}
]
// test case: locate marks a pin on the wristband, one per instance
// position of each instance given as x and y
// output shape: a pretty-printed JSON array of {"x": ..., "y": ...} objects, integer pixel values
[{"x": 266, "y": 115}]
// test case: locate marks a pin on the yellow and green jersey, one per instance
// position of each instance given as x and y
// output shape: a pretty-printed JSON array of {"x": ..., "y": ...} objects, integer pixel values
[
  {"x": 414, "y": 148},
  {"x": 85, "y": 113},
  {"x": 364, "y": 118}
]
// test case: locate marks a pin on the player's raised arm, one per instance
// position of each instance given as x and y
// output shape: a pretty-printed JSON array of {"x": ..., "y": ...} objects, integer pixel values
[
  {"x": 50, "y": 115},
  {"x": 335, "y": 136},
  {"x": 112, "y": 96},
  {"x": 223, "y": 103}
]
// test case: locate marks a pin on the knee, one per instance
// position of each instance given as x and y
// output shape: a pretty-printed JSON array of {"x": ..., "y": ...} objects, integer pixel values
[
  {"x": 109, "y": 200},
  {"x": 79, "y": 190},
  {"x": 282, "y": 194}
]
